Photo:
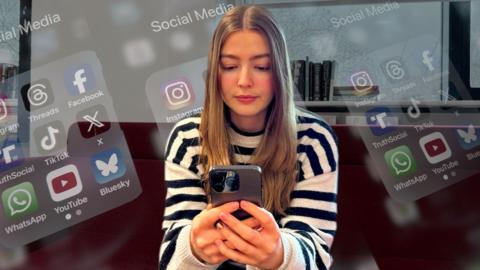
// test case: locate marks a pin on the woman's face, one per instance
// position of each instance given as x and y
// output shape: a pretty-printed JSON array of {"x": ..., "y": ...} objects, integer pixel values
[{"x": 245, "y": 77}]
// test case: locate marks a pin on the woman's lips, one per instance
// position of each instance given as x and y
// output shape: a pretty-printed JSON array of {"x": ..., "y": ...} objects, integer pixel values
[{"x": 246, "y": 99}]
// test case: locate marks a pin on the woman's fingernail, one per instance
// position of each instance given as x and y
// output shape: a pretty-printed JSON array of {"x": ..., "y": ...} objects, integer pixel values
[
  {"x": 219, "y": 225},
  {"x": 244, "y": 204},
  {"x": 223, "y": 216}
]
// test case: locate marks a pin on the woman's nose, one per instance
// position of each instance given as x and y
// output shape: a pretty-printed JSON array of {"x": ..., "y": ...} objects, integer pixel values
[{"x": 245, "y": 79}]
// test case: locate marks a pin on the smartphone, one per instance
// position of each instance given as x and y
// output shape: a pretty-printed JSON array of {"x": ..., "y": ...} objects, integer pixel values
[{"x": 236, "y": 183}]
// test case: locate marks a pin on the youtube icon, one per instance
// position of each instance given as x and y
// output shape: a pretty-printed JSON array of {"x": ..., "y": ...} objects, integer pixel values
[
  {"x": 64, "y": 183},
  {"x": 435, "y": 147}
]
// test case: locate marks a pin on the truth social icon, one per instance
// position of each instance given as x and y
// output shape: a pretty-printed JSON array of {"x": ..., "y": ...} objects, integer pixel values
[
  {"x": 11, "y": 155},
  {"x": 79, "y": 79},
  {"x": 380, "y": 120},
  {"x": 108, "y": 165}
]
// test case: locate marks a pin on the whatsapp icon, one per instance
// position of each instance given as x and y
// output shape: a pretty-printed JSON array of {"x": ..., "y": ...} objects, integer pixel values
[
  {"x": 400, "y": 161},
  {"x": 19, "y": 200}
]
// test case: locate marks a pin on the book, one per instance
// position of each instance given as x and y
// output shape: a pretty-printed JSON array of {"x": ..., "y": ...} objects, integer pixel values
[
  {"x": 317, "y": 81},
  {"x": 353, "y": 98},
  {"x": 311, "y": 90},
  {"x": 2, "y": 76},
  {"x": 356, "y": 90},
  {"x": 328, "y": 79},
  {"x": 355, "y": 93},
  {"x": 295, "y": 71},
  {"x": 298, "y": 77},
  {"x": 10, "y": 80},
  {"x": 308, "y": 79}
]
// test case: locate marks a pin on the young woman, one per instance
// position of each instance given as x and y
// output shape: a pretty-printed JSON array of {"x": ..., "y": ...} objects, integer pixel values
[{"x": 249, "y": 118}]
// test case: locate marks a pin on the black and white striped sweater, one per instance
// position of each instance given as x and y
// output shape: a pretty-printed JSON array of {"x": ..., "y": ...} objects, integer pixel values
[{"x": 307, "y": 231}]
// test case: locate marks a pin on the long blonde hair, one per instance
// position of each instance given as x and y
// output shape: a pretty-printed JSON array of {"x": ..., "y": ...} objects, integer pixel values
[{"x": 277, "y": 157}]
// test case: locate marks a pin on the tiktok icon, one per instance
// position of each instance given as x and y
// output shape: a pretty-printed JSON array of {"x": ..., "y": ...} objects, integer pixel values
[{"x": 50, "y": 137}]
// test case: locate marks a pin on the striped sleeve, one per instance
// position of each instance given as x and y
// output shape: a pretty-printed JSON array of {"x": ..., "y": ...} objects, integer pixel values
[
  {"x": 185, "y": 197},
  {"x": 309, "y": 227}
]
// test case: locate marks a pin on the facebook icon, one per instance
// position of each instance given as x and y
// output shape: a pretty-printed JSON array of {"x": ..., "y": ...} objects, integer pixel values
[{"x": 80, "y": 79}]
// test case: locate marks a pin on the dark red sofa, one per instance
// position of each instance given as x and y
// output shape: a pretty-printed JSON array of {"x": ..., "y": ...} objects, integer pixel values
[{"x": 447, "y": 235}]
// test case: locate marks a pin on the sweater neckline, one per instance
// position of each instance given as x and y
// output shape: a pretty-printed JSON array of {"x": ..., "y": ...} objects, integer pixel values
[
  {"x": 246, "y": 133},
  {"x": 239, "y": 138}
]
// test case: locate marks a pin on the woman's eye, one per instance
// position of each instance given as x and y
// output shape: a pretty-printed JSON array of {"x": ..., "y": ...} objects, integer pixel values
[
  {"x": 263, "y": 68},
  {"x": 228, "y": 67}
]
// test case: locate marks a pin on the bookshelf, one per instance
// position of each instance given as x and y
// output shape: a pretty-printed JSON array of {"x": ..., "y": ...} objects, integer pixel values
[{"x": 301, "y": 34}]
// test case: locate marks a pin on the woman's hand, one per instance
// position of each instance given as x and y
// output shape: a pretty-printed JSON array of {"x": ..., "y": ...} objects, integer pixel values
[
  {"x": 261, "y": 248},
  {"x": 203, "y": 233}
]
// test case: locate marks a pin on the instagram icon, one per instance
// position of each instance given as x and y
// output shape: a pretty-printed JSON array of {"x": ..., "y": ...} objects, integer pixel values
[
  {"x": 361, "y": 82},
  {"x": 178, "y": 94}
]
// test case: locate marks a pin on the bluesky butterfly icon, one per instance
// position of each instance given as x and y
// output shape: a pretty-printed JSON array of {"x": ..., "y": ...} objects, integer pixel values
[
  {"x": 468, "y": 137},
  {"x": 108, "y": 165}
]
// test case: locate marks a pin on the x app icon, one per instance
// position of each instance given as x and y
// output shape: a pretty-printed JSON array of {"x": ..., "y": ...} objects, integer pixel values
[{"x": 93, "y": 121}]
